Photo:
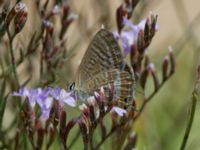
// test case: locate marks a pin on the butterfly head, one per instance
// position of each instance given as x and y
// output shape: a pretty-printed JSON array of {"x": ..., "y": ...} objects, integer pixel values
[
  {"x": 71, "y": 87},
  {"x": 80, "y": 93}
]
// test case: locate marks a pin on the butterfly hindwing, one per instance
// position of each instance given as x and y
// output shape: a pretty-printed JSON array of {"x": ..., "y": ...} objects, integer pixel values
[{"x": 122, "y": 82}]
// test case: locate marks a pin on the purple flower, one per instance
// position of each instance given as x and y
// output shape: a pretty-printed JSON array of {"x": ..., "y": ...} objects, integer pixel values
[
  {"x": 23, "y": 92},
  {"x": 67, "y": 98},
  {"x": 118, "y": 110},
  {"x": 28, "y": 93},
  {"x": 128, "y": 37},
  {"x": 44, "y": 98},
  {"x": 63, "y": 96}
]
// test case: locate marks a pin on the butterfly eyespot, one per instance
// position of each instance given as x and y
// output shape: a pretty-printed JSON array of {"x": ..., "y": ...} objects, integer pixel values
[{"x": 72, "y": 86}]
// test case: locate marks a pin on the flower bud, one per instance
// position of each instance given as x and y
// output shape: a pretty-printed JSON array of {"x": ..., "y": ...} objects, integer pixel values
[
  {"x": 92, "y": 115},
  {"x": 172, "y": 60},
  {"x": 197, "y": 84},
  {"x": 143, "y": 78},
  {"x": 19, "y": 14},
  {"x": 154, "y": 25},
  {"x": 56, "y": 10},
  {"x": 165, "y": 68},
  {"x": 146, "y": 30},
  {"x": 84, "y": 129},
  {"x": 14, "y": 11},
  {"x": 133, "y": 54},
  {"x": 40, "y": 138},
  {"x": 68, "y": 128},
  {"x": 141, "y": 42},
  {"x": 146, "y": 61},
  {"x": 154, "y": 75},
  {"x": 120, "y": 13},
  {"x": 85, "y": 110},
  {"x": 48, "y": 26},
  {"x": 66, "y": 10},
  {"x": 55, "y": 114},
  {"x": 100, "y": 101},
  {"x": 63, "y": 118},
  {"x": 131, "y": 141},
  {"x": 21, "y": 17},
  {"x": 51, "y": 136}
]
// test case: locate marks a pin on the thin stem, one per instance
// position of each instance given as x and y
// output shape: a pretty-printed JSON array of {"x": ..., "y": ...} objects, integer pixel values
[
  {"x": 8, "y": 69},
  {"x": 189, "y": 123},
  {"x": 74, "y": 140},
  {"x": 12, "y": 125},
  {"x": 150, "y": 97},
  {"x": 41, "y": 67},
  {"x": 14, "y": 67},
  {"x": 91, "y": 138},
  {"x": 2, "y": 102},
  {"x": 107, "y": 136}
]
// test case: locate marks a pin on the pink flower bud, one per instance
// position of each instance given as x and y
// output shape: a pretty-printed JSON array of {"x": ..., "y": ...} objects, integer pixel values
[
  {"x": 172, "y": 60},
  {"x": 20, "y": 13},
  {"x": 165, "y": 67}
]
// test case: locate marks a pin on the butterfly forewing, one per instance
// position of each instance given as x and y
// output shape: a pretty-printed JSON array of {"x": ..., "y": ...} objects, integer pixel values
[{"x": 102, "y": 54}]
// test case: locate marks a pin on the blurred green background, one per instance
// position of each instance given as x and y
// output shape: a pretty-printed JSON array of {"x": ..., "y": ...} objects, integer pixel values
[{"x": 163, "y": 122}]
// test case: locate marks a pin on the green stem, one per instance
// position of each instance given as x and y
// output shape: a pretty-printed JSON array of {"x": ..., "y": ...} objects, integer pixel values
[
  {"x": 91, "y": 138},
  {"x": 108, "y": 135},
  {"x": 41, "y": 68},
  {"x": 14, "y": 67},
  {"x": 190, "y": 121},
  {"x": 150, "y": 97},
  {"x": 74, "y": 140},
  {"x": 2, "y": 103}
]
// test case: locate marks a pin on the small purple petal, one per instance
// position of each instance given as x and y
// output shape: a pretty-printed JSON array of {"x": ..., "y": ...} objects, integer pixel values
[
  {"x": 119, "y": 111},
  {"x": 55, "y": 92},
  {"x": 116, "y": 35},
  {"x": 23, "y": 92},
  {"x": 34, "y": 95},
  {"x": 67, "y": 98},
  {"x": 48, "y": 102},
  {"x": 128, "y": 23},
  {"x": 45, "y": 114},
  {"x": 45, "y": 103}
]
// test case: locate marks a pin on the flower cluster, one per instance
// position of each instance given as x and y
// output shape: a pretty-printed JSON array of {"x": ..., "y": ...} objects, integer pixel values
[
  {"x": 44, "y": 98},
  {"x": 129, "y": 37}
]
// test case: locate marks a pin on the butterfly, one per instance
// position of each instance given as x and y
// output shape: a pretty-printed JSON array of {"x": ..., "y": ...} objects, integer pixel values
[{"x": 103, "y": 65}]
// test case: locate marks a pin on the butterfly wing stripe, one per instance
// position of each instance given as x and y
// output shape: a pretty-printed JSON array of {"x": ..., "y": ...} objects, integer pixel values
[{"x": 121, "y": 80}]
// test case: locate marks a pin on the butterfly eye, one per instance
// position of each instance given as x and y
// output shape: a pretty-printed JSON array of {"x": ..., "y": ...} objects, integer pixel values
[{"x": 72, "y": 86}]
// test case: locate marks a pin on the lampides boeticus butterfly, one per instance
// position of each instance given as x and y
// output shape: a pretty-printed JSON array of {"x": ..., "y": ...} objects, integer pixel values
[{"x": 103, "y": 64}]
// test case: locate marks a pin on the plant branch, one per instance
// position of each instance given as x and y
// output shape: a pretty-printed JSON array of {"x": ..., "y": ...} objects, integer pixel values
[
  {"x": 74, "y": 140},
  {"x": 191, "y": 111},
  {"x": 189, "y": 123},
  {"x": 14, "y": 67},
  {"x": 150, "y": 97},
  {"x": 108, "y": 135}
]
